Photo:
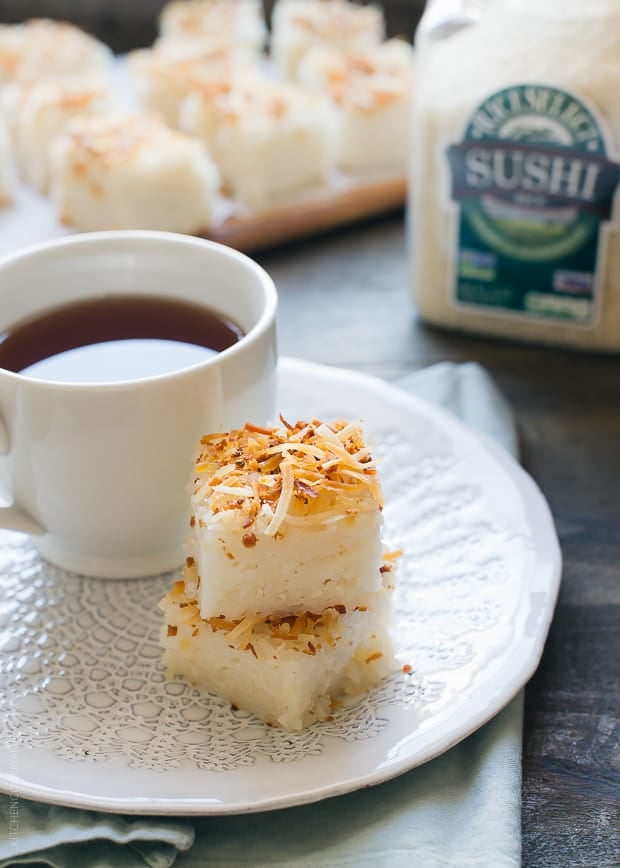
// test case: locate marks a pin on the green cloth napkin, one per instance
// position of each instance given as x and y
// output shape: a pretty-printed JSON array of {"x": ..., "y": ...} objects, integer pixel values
[{"x": 462, "y": 809}]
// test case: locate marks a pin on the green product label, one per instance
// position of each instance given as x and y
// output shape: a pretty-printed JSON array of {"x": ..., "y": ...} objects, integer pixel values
[{"x": 534, "y": 188}]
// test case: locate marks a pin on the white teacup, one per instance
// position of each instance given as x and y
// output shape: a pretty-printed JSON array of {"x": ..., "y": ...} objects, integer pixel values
[{"x": 98, "y": 473}]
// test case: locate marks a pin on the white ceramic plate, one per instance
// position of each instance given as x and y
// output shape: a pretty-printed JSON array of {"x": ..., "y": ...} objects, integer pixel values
[{"x": 88, "y": 720}]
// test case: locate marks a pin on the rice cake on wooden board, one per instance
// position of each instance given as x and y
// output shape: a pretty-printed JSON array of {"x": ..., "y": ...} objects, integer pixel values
[
  {"x": 339, "y": 199},
  {"x": 32, "y": 218}
]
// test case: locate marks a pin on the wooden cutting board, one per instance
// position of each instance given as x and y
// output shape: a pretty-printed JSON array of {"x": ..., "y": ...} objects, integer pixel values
[
  {"x": 33, "y": 219},
  {"x": 318, "y": 212}
]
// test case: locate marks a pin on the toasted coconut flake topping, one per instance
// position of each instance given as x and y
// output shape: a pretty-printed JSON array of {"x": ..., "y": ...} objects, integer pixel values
[
  {"x": 263, "y": 636},
  {"x": 203, "y": 16},
  {"x": 392, "y": 556},
  {"x": 239, "y": 94},
  {"x": 338, "y": 20},
  {"x": 306, "y": 473},
  {"x": 364, "y": 79},
  {"x": 287, "y": 473},
  {"x": 114, "y": 139}
]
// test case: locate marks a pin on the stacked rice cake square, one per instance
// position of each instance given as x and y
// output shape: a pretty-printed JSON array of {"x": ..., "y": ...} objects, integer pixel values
[{"x": 284, "y": 603}]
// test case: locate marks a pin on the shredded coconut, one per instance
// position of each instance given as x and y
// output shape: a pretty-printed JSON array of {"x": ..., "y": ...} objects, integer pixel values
[{"x": 312, "y": 472}]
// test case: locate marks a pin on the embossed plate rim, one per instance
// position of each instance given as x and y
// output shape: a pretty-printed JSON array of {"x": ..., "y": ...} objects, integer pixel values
[{"x": 452, "y": 726}]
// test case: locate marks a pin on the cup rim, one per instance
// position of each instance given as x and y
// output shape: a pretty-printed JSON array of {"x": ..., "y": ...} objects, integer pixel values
[{"x": 263, "y": 324}]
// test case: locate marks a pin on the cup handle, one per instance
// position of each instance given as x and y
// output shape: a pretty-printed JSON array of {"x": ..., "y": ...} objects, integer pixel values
[{"x": 12, "y": 517}]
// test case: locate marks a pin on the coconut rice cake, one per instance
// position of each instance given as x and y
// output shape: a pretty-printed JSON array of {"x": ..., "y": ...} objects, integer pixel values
[
  {"x": 123, "y": 171},
  {"x": 286, "y": 520},
  {"x": 287, "y": 670},
  {"x": 370, "y": 92},
  {"x": 269, "y": 139},
  {"x": 193, "y": 23},
  {"x": 44, "y": 50},
  {"x": 41, "y": 112},
  {"x": 163, "y": 76},
  {"x": 299, "y": 25}
]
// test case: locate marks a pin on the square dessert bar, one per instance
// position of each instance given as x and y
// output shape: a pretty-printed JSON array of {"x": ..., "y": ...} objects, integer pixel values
[
  {"x": 196, "y": 22},
  {"x": 286, "y": 520},
  {"x": 370, "y": 91},
  {"x": 299, "y": 25},
  {"x": 269, "y": 139},
  {"x": 163, "y": 76},
  {"x": 46, "y": 50},
  {"x": 289, "y": 670},
  {"x": 39, "y": 113},
  {"x": 122, "y": 171}
]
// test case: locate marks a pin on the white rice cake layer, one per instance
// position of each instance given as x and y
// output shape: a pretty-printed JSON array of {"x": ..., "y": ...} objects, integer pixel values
[
  {"x": 41, "y": 113},
  {"x": 131, "y": 172},
  {"x": 299, "y": 569},
  {"x": 45, "y": 50},
  {"x": 270, "y": 140},
  {"x": 196, "y": 22},
  {"x": 286, "y": 520},
  {"x": 370, "y": 91},
  {"x": 299, "y": 25},
  {"x": 164, "y": 76},
  {"x": 7, "y": 177},
  {"x": 288, "y": 672}
]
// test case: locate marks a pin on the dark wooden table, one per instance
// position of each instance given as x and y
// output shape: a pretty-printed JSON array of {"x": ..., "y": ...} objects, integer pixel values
[{"x": 344, "y": 300}]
